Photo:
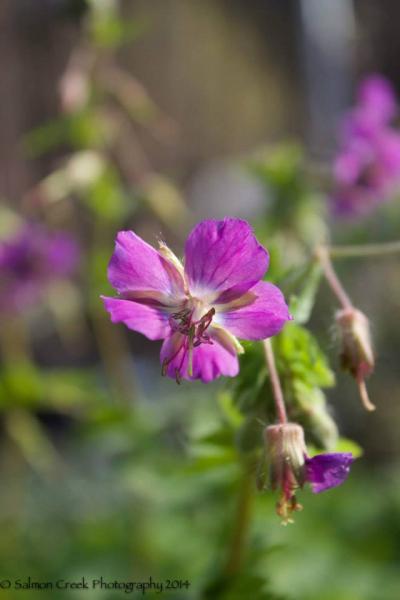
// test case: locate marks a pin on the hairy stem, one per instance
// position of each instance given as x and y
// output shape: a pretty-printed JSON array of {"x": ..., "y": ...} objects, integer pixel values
[
  {"x": 322, "y": 254},
  {"x": 275, "y": 382}
]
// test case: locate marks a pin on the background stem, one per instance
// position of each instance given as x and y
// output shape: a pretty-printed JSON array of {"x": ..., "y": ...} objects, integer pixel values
[
  {"x": 241, "y": 524},
  {"x": 364, "y": 250}
]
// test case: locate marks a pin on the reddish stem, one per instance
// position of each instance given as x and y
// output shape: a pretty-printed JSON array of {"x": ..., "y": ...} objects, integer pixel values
[
  {"x": 275, "y": 382},
  {"x": 322, "y": 254}
]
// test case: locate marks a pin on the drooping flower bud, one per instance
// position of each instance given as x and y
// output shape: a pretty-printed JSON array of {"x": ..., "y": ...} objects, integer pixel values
[
  {"x": 357, "y": 355},
  {"x": 290, "y": 467},
  {"x": 286, "y": 452}
]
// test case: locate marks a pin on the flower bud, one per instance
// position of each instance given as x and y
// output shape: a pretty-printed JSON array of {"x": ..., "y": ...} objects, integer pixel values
[
  {"x": 290, "y": 467},
  {"x": 357, "y": 355},
  {"x": 286, "y": 452}
]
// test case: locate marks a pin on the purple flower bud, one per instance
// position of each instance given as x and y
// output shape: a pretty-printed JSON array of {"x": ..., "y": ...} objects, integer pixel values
[{"x": 326, "y": 471}]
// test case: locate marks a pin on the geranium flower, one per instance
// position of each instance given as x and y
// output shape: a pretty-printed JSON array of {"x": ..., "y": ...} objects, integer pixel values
[
  {"x": 367, "y": 168},
  {"x": 290, "y": 467},
  {"x": 201, "y": 308},
  {"x": 31, "y": 259}
]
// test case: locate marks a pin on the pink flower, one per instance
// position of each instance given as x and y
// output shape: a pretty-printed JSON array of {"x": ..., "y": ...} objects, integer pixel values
[{"x": 202, "y": 308}]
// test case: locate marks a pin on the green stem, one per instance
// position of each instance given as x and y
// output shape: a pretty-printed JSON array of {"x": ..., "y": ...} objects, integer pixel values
[
  {"x": 364, "y": 250},
  {"x": 241, "y": 525}
]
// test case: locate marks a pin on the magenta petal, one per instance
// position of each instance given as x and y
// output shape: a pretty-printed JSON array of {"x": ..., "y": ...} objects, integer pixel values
[
  {"x": 259, "y": 320},
  {"x": 326, "y": 471},
  {"x": 212, "y": 361},
  {"x": 148, "y": 320},
  {"x": 174, "y": 356},
  {"x": 136, "y": 267},
  {"x": 209, "y": 360},
  {"x": 224, "y": 257}
]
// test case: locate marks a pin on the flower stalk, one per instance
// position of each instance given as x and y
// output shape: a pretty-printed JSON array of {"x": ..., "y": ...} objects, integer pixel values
[
  {"x": 323, "y": 255},
  {"x": 357, "y": 355},
  {"x": 275, "y": 382}
]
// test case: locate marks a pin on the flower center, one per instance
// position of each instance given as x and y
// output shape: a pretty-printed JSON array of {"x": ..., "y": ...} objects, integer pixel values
[
  {"x": 184, "y": 321},
  {"x": 194, "y": 331}
]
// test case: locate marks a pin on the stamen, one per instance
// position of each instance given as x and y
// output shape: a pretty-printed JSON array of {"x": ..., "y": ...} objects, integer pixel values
[
  {"x": 195, "y": 333},
  {"x": 202, "y": 325},
  {"x": 190, "y": 348}
]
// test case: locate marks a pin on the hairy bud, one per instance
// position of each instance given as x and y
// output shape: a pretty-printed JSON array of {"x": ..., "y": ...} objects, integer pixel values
[
  {"x": 357, "y": 355},
  {"x": 290, "y": 467},
  {"x": 286, "y": 452}
]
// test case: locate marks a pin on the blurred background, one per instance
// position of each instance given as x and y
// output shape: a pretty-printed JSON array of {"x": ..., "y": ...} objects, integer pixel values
[{"x": 151, "y": 116}]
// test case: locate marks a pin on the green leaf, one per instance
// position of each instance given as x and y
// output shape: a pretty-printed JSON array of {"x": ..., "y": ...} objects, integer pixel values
[
  {"x": 310, "y": 410},
  {"x": 299, "y": 355},
  {"x": 302, "y": 301},
  {"x": 346, "y": 445}
]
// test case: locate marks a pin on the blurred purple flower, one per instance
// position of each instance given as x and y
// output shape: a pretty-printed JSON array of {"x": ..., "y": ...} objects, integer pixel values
[
  {"x": 376, "y": 100},
  {"x": 326, "y": 471},
  {"x": 199, "y": 309},
  {"x": 31, "y": 259},
  {"x": 367, "y": 168}
]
